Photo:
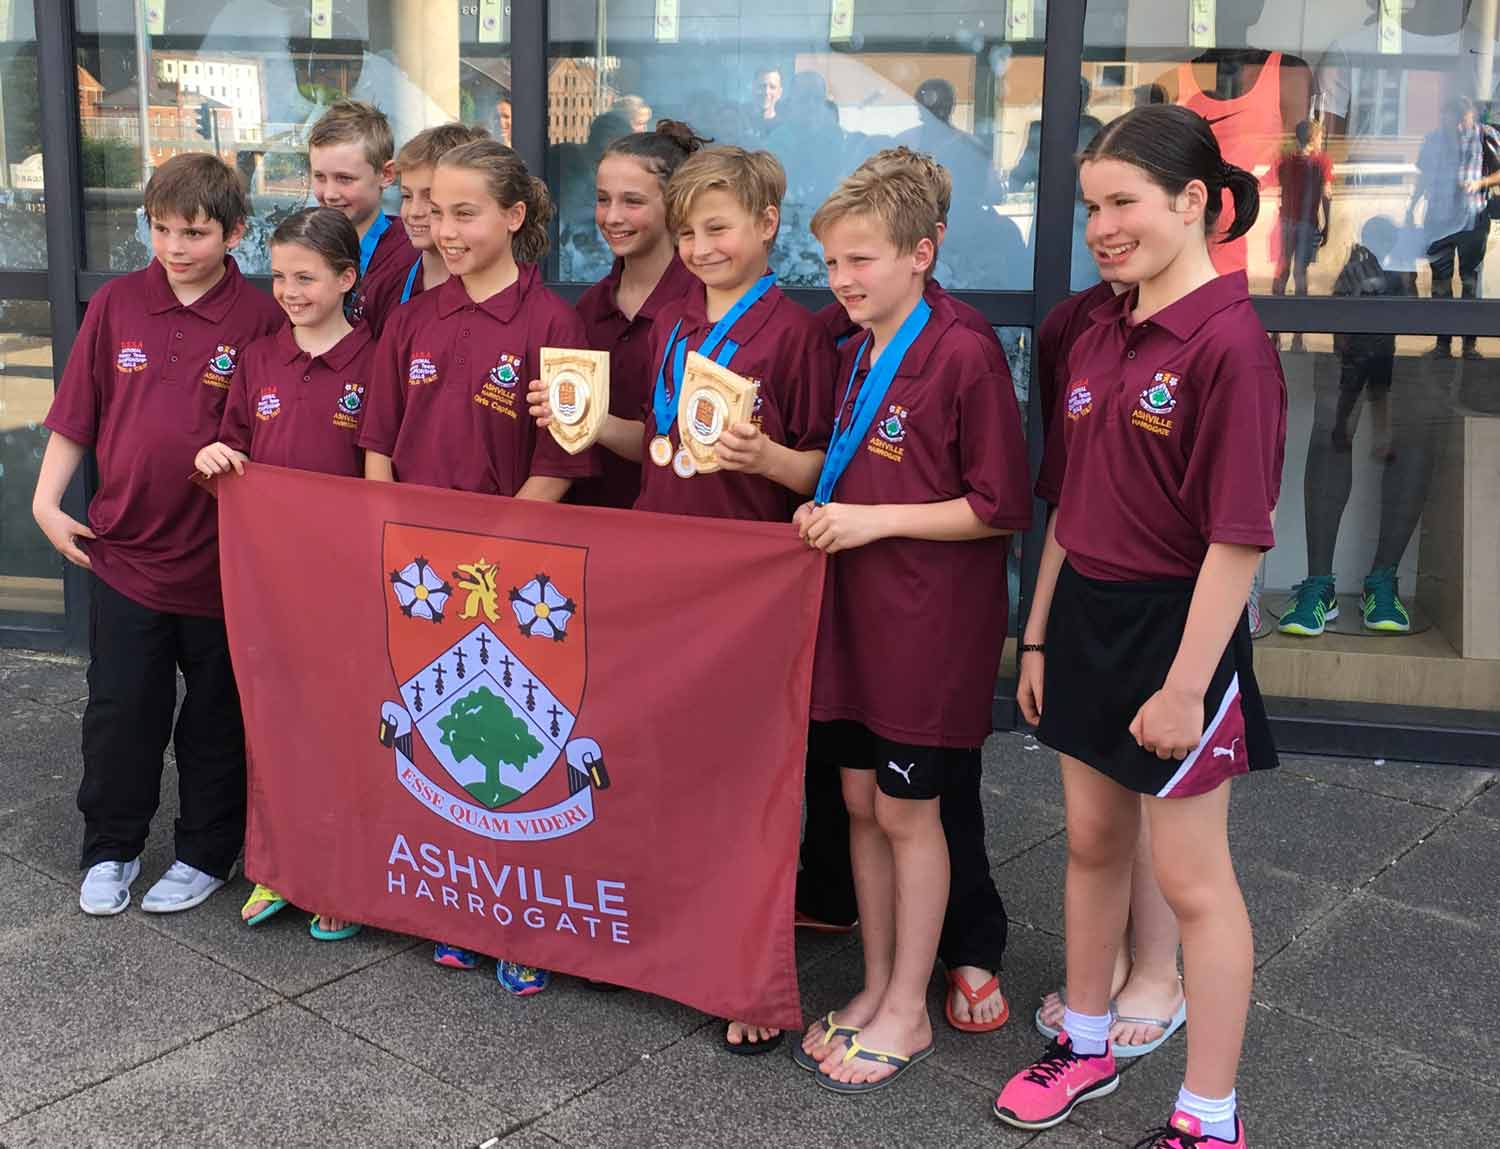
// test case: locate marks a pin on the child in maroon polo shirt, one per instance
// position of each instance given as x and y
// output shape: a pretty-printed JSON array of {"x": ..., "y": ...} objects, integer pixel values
[
  {"x": 1165, "y": 478},
  {"x": 415, "y": 164},
  {"x": 630, "y": 210},
  {"x": 447, "y": 404},
  {"x": 975, "y": 927},
  {"x": 724, "y": 204},
  {"x": 924, "y": 479},
  {"x": 297, "y": 399},
  {"x": 351, "y": 154},
  {"x": 144, "y": 388}
]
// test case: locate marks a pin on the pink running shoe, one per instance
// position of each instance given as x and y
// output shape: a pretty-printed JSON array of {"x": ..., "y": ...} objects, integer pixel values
[
  {"x": 1186, "y": 1132},
  {"x": 1046, "y": 1091}
]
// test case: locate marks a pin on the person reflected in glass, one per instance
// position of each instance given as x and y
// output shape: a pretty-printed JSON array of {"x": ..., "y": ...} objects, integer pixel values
[
  {"x": 636, "y": 111},
  {"x": 502, "y": 120},
  {"x": 1306, "y": 178},
  {"x": 767, "y": 93}
]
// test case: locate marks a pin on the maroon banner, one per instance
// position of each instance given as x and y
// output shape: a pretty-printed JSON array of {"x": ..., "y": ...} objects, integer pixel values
[{"x": 565, "y": 736}]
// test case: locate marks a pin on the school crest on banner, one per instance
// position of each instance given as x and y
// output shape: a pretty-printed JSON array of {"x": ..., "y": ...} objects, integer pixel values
[{"x": 487, "y": 638}]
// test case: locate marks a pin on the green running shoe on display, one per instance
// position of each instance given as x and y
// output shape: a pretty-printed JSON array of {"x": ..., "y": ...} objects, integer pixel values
[
  {"x": 1313, "y": 604},
  {"x": 1382, "y": 606}
]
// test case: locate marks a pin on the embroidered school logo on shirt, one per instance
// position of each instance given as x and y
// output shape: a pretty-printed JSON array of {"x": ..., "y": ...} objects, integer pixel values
[
  {"x": 507, "y": 372},
  {"x": 350, "y": 403},
  {"x": 221, "y": 366},
  {"x": 890, "y": 432},
  {"x": 498, "y": 391},
  {"x": 1080, "y": 399},
  {"x": 755, "y": 413},
  {"x": 267, "y": 406},
  {"x": 1157, "y": 402},
  {"x": 131, "y": 357},
  {"x": 421, "y": 369}
]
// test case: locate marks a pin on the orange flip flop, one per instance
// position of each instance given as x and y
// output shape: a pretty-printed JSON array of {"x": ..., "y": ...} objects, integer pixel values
[{"x": 975, "y": 996}]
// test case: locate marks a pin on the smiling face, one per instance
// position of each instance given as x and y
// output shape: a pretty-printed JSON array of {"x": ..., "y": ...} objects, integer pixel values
[
  {"x": 1135, "y": 229},
  {"x": 416, "y": 205},
  {"x": 308, "y": 289},
  {"x": 343, "y": 178},
  {"x": 191, "y": 252},
  {"x": 471, "y": 229},
  {"x": 768, "y": 92},
  {"x": 877, "y": 284},
  {"x": 722, "y": 243},
  {"x": 629, "y": 207}
]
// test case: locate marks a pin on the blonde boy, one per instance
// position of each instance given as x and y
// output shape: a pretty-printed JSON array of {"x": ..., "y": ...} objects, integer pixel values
[{"x": 415, "y": 164}]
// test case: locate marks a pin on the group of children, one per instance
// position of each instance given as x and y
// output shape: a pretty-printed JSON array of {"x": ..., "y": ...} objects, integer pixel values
[{"x": 885, "y": 432}]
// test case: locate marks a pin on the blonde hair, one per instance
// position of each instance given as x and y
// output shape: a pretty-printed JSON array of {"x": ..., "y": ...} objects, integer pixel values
[
  {"x": 508, "y": 183},
  {"x": 355, "y": 122},
  {"x": 923, "y": 166},
  {"x": 756, "y": 179},
  {"x": 425, "y": 148},
  {"x": 900, "y": 199}
]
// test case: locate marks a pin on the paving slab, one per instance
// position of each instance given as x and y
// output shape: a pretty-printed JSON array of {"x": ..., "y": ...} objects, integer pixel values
[
  {"x": 1014, "y": 824},
  {"x": 1302, "y": 1086},
  {"x": 47, "y": 834},
  {"x": 694, "y": 1094},
  {"x": 532, "y": 1138},
  {"x": 1445, "y": 787},
  {"x": 32, "y": 898},
  {"x": 297, "y": 1067},
  {"x": 1331, "y": 833},
  {"x": 1454, "y": 871},
  {"x": 53, "y": 679},
  {"x": 39, "y": 755},
  {"x": 1283, "y": 904},
  {"x": 1487, "y": 803},
  {"x": 85, "y": 998},
  {"x": 1382, "y": 968},
  {"x": 1019, "y": 766},
  {"x": 568, "y": 1039}
]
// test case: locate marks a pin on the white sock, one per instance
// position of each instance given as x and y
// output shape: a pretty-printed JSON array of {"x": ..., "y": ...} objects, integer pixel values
[
  {"x": 1088, "y": 1033},
  {"x": 1216, "y": 1113}
]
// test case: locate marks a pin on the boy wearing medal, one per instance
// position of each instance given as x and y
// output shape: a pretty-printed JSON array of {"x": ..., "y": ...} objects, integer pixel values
[{"x": 925, "y": 475}]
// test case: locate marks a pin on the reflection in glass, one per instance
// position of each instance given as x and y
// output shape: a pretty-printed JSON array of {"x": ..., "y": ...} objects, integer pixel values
[
  {"x": 823, "y": 100},
  {"x": 247, "y": 79},
  {"x": 30, "y": 570},
  {"x": 23, "y": 221}
]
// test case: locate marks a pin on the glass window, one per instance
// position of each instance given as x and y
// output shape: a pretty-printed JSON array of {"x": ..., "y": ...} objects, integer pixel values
[
  {"x": 1366, "y": 122},
  {"x": 823, "y": 87},
  {"x": 1387, "y": 510},
  {"x": 248, "y": 78},
  {"x": 31, "y": 592},
  {"x": 23, "y": 225}
]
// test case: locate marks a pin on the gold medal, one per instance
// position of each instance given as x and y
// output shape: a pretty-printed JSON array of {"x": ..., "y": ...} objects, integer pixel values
[
  {"x": 660, "y": 450},
  {"x": 683, "y": 464}
]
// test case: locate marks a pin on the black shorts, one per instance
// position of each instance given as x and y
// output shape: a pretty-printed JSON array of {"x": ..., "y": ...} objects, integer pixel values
[
  {"x": 1109, "y": 648},
  {"x": 901, "y": 770}
]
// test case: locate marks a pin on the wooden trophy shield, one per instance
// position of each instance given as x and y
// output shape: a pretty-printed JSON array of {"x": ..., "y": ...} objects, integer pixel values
[
  {"x": 712, "y": 399},
  {"x": 577, "y": 385}
]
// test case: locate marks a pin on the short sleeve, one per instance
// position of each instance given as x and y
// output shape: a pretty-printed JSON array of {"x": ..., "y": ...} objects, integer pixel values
[
  {"x": 77, "y": 406},
  {"x": 387, "y": 401},
  {"x": 563, "y": 328},
  {"x": 992, "y": 446},
  {"x": 1233, "y": 475},
  {"x": 235, "y": 426},
  {"x": 809, "y": 387}
]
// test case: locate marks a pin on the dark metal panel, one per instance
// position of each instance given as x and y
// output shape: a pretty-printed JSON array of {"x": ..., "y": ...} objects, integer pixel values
[
  {"x": 24, "y": 638},
  {"x": 1396, "y": 316},
  {"x": 61, "y": 175},
  {"x": 24, "y": 285},
  {"x": 528, "y": 77}
]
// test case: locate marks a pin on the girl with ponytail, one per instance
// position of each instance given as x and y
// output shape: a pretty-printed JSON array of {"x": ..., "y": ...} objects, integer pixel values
[{"x": 1164, "y": 464}]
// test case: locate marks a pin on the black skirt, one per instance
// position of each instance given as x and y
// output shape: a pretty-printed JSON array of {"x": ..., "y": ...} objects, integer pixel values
[{"x": 1109, "y": 648}]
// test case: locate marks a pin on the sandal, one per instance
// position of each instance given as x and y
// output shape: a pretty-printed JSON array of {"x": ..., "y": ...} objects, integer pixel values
[
  {"x": 315, "y": 927},
  {"x": 264, "y": 894},
  {"x": 857, "y": 1052},
  {"x": 748, "y": 1048},
  {"x": 831, "y": 1031},
  {"x": 975, "y": 996},
  {"x": 1168, "y": 1027}
]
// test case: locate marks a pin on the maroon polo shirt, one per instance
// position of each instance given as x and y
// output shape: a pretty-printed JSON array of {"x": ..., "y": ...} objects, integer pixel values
[
  {"x": 447, "y": 397},
  {"x": 145, "y": 387},
  {"x": 632, "y": 372},
  {"x": 290, "y": 409},
  {"x": 1055, "y": 338},
  {"x": 842, "y": 328},
  {"x": 786, "y": 351},
  {"x": 948, "y": 428},
  {"x": 1170, "y": 436},
  {"x": 380, "y": 287}
]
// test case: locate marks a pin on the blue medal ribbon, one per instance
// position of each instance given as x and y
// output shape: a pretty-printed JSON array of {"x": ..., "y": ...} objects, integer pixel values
[
  {"x": 844, "y": 443},
  {"x": 664, "y": 404},
  {"x": 411, "y": 279},
  {"x": 371, "y": 238}
]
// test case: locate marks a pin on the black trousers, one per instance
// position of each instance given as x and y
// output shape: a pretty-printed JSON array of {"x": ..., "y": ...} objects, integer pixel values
[
  {"x": 134, "y": 655},
  {"x": 975, "y": 926}
]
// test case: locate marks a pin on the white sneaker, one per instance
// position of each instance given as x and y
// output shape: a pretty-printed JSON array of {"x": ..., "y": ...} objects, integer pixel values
[
  {"x": 106, "y": 887},
  {"x": 181, "y": 888}
]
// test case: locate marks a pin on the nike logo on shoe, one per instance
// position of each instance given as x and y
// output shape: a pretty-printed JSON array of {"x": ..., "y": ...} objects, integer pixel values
[{"x": 905, "y": 773}]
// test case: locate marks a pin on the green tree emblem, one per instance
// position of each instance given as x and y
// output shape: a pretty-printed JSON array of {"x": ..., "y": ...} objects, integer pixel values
[{"x": 482, "y": 726}]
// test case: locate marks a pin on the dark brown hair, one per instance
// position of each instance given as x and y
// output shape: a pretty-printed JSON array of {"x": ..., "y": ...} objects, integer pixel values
[
  {"x": 325, "y": 231},
  {"x": 509, "y": 183},
  {"x": 196, "y": 182},
  {"x": 660, "y": 151}
]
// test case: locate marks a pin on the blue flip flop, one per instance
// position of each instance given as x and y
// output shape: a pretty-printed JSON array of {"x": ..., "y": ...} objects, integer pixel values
[
  {"x": 1168, "y": 1027},
  {"x": 857, "y": 1052},
  {"x": 831, "y": 1031},
  {"x": 317, "y": 931}
]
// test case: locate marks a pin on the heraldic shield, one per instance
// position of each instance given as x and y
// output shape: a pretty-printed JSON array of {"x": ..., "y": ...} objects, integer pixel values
[{"x": 488, "y": 640}]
